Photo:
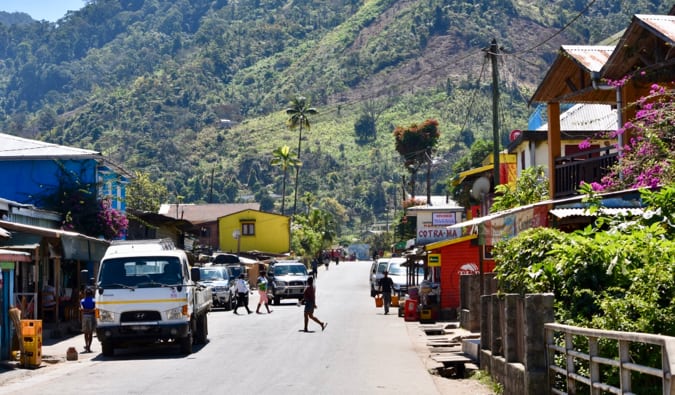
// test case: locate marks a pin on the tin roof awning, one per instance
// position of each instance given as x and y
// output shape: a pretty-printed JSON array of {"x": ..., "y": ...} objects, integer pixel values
[
  {"x": 75, "y": 245},
  {"x": 458, "y": 180},
  {"x": 14, "y": 256}
]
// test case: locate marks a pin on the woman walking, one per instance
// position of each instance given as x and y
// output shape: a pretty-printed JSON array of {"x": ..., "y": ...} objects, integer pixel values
[
  {"x": 262, "y": 292},
  {"x": 309, "y": 299}
]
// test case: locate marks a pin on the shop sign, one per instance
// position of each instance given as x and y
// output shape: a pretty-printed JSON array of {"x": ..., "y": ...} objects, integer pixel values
[
  {"x": 434, "y": 260},
  {"x": 443, "y": 219}
]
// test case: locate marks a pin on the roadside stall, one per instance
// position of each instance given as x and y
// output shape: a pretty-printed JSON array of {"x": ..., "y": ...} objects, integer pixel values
[
  {"x": 48, "y": 286},
  {"x": 9, "y": 260}
]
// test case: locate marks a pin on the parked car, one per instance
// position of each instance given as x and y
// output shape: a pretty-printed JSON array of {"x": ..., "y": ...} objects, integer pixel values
[
  {"x": 398, "y": 274},
  {"x": 288, "y": 280},
  {"x": 219, "y": 278},
  {"x": 222, "y": 258}
]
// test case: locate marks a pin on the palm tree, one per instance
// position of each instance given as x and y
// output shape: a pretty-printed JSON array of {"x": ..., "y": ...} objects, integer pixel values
[
  {"x": 298, "y": 111},
  {"x": 284, "y": 158},
  {"x": 308, "y": 198}
]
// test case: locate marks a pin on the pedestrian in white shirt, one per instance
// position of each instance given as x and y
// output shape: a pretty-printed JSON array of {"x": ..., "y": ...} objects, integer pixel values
[{"x": 242, "y": 294}]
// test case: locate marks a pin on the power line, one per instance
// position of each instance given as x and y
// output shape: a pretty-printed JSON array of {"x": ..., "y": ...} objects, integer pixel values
[
  {"x": 473, "y": 97},
  {"x": 582, "y": 12}
]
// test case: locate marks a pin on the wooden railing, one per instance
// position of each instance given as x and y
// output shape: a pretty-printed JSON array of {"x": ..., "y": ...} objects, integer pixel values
[
  {"x": 588, "y": 166},
  {"x": 581, "y": 368},
  {"x": 26, "y": 302}
]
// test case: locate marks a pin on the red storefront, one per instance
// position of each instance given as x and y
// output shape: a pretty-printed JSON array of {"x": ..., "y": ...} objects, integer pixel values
[{"x": 458, "y": 256}]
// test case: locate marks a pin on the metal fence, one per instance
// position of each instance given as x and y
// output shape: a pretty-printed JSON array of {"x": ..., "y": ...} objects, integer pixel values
[{"x": 579, "y": 362}]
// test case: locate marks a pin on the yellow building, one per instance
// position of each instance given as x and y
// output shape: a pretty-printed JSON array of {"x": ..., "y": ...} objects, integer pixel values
[{"x": 253, "y": 230}]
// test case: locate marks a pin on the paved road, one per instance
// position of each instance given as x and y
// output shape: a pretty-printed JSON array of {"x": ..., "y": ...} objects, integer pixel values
[{"x": 361, "y": 351}]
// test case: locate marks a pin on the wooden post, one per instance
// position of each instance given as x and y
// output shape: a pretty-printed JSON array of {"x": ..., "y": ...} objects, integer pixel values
[{"x": 553, "y": 144}]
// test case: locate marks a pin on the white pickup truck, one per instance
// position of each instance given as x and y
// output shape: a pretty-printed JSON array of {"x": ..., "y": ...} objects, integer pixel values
[{"x": 147, "y": 293}]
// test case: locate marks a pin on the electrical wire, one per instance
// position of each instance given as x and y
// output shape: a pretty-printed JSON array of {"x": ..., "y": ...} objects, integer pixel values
[
  {"x": 473, "y": 97},
  {"x": 582, "y": 12}
]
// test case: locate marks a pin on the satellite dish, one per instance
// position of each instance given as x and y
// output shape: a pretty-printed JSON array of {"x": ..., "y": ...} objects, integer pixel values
[{"x": 479, "y": 188}]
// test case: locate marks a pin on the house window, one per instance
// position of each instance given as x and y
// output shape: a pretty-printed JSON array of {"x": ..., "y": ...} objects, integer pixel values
[{"x": 248, "y": 229}]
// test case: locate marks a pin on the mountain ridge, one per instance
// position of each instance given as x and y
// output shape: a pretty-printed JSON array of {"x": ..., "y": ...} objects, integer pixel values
[{"x": 147, "y": 83}]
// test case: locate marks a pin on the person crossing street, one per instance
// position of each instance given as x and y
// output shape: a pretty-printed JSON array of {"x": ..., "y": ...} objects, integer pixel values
[
  {"x": 262, "y": 292},
  {"x": 242, "y": 294}
]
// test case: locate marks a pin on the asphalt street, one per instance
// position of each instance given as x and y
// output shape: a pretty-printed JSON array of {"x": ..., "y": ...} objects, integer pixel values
[{"x": 361, "y": 351}]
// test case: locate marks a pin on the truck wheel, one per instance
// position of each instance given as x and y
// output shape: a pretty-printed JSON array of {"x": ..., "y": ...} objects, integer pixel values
[
  {"x": 202, "y": 329},
  {"x": 277, "y": 300},
  {"x": 186, "y": 344},
  {"x": 107, "y": 349}
]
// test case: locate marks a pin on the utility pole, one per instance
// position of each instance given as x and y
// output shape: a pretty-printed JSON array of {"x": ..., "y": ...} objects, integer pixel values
[
  {"x": 493, "y": 52},
  {"x": 428, "y": 156},
  {"x": 213, "y": 170}
]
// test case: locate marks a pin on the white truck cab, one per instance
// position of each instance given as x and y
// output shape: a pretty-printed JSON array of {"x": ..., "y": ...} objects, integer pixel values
[{"x": 146, "y": 292}]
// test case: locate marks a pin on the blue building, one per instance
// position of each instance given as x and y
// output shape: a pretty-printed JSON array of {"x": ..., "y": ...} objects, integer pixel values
[
  {"x": 38, "y": 253},
  {"x": 31, "y": 168}
]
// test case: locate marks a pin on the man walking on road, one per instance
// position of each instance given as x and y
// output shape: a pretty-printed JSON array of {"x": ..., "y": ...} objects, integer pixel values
[
  {"x": 309, "y": 298},
  {"x": 242, "y": 294},
  {"x": 387, "y": 286}
]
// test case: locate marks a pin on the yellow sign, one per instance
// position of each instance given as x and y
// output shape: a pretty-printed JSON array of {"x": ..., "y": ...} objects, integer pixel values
[{"x": 434, "y": 260}]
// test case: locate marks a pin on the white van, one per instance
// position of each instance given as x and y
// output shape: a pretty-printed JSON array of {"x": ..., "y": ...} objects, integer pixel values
[
  {"x": 147, "y": 292},
  {"x": 377, "y": 272},
  {"x": 397, "y": 273}
]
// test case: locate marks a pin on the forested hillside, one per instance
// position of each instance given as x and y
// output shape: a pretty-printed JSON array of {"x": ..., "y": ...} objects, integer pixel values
[{"x": 148, "y": 83}]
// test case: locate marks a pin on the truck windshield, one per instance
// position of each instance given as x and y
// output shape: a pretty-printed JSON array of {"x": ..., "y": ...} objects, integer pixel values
[{"x": 140, "y": 272}]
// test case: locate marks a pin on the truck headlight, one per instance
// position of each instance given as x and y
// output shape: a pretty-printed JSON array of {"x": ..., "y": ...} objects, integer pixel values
[
  {"x": 175, "y": 313},
  {"x": 105, "y": 315},
  {"x": 281, "y": 284}
]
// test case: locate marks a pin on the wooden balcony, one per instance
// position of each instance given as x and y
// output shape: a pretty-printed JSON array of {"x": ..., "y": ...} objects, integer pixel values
[{"x": 589, "y": 166}]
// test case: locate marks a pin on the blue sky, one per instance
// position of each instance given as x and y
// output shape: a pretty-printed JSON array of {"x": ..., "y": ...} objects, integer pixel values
[{"x": 50, "y": 10}]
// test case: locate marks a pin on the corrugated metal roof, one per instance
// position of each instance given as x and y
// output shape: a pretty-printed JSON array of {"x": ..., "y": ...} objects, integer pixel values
[
  {"x": 200, "y": 213},
  {"x": 569, "y": 77},
  {"x": 437, "y": 202},
  {"x": 584, "y": 212},
  {"x": 590, "y": 57},
  {"x": 587, "y": 117},
  {"x": 635, "y": 50},
  {"x": 14, "y": 256},
  {"x": 660, "y": 25},
  {"x": 13, "y": 147}
]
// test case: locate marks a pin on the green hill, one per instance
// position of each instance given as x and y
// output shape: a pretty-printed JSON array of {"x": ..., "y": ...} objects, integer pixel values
[{"x": 148, "y": 83}]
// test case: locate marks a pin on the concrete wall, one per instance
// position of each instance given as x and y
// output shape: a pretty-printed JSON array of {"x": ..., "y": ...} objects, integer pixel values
[
  {"x": 470, "y": 294},
  {"x": 513, "y": 346}
]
